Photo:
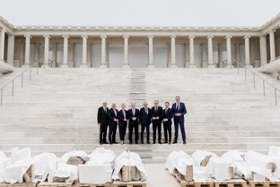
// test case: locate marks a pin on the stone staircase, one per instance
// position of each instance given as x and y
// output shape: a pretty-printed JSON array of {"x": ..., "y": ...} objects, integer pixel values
[{"x": 56, "y": 110}]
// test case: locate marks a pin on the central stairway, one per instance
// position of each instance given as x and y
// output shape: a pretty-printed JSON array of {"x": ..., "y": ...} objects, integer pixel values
[{"x": 56, "y": 111}]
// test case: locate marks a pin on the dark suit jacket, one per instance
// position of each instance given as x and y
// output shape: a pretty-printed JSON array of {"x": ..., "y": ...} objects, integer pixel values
[
  {"x": 130, "y": 116},
  {"x": 102, "y": 116},
  {"x": 112, "y": 116},
  {"x": 121, "y": 117},
  {"x": 181, "y": 110},
  {"x": 157, "y": 113},
  {"x": 168, "y": 115},
  {"x": 144, "y": 118}
]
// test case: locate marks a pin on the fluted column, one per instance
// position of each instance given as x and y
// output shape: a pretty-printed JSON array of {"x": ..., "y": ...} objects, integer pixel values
[
  {"x": 71, "y": 57},
  {"x": 229, "y": 61},
  {"x": 54, "y": 57},
  {"x": 191, "y": 43},
  {"x": 36, "y": 54},
  {"x": 27, "y": 51},
  {"x": 187, "y": 55},
  {"x": 247, "y": 51},
  {"x": 151, "y": 52},
  {"x": 263, "y": 52},
  {"x": 125, "y": 63},
  {"x": 11, "y": 48},
  {"x": 2, "y": 44},
  {"x": 220, "y": 55},
  {"x": 65, "y": 51},
  {"x": 89, "y": 55},
  {"x": 84, "y": 57},
  {"x": 272, "y": 45},
  {"x": 46, "y": 53},
  {"x": 103, "y": 51},
  {"x": 203, "y": 54},
  {"x": 173, "y": 52},
  {"x": 210, "y": 52}
]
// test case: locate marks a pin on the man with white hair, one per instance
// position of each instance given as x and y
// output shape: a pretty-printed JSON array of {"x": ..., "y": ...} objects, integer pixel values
[
  {"x": 113, "y": 122},
  {"x": 133, "y": 116},
  {"x": 102, "y": 120},
  {"x": 179, "y": 110},
  {"x": 145, "y": 121},
  {"x": 123, "y": 118}
]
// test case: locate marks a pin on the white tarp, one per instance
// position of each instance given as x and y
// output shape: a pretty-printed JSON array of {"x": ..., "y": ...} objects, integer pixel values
[
  {"x": 274, "y": 151},
  {"x": 128, "y": 158},
  {"x": 101, "y": 156},
  {"x": 201, "y": 173},
  {"x": 42, "y": 163},
  {"x": 3, "y": 164},
  {"x": 95, "y": 174},
  {"x": 199, "y": 155},
  {"x": 218, "y": 169}
]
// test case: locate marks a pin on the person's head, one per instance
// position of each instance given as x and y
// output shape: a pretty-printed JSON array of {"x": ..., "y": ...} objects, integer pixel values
[
  {"x": 166, "y": 104},
  {"x": 156, "y": 103},
  {"x": 133, "y": 105},
  {"x": 104, "y": 104},
  {"x": 145, "y": 104},
  {"x": 177, "y": 98},
  {"x": 123, "y": 106},
  {"x": 114, "y": 105}
]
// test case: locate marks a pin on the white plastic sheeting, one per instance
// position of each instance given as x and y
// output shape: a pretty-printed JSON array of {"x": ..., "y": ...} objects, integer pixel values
[
  {"x": 218, "y": 169},
  {"x": 101, "y": 156},
  {"x": 128, "y": 158},
  {"x": 199, "y": 155}
]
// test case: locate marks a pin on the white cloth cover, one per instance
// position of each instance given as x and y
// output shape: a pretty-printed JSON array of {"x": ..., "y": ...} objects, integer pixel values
[
  {"x": 201, "y": 173},
  {"x": 199, "y": 155},
  {"x": 95, "y": 174},
  {"x": 232, "y": 157},
  {"x": 242, "y": 169},
  {"x": 128, "y": 158},
  {"x": 42, "y": 163},
  {"x": 218, "y": 169},
  {"x": 274, "y": 151},
  {"x": 101, "y": 156},
  {"x": 66, "y": 170},
  {"x": 81, "y": 154},
  {"x": 170, "y": 162}
]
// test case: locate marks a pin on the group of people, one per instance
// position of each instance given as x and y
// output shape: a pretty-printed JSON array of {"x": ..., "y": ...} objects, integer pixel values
[{"x": 144, "y": 117}]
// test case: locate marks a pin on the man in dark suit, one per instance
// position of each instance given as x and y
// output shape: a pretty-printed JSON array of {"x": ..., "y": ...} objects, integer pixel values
[
  {"x": 179, "y": 110},
  {"x": 102, "y": 120},
  {"x": 133, "y": 116},
  {"x": 157, "y": 118},
  {"x": 145, "y": 121},
  {"x": 113, "y": 122},
  {"x": 167, "y": 122},
  {"x": 122, "y": 116}
]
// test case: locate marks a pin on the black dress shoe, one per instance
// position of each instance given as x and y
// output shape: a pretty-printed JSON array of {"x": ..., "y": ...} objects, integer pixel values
[
  {"x": 115, "y": 142},
  {"x": 165, "y": 142},
  {"x": 184, "y": 142},
  {"x": 136, "y": 142},
  {"x": 159, "y": 142},
  {"x": 111, "y": 143},
  {"x": 142, "y": 142},
  {"x": 174, "y": 142},
  {"x": 100, "y": 143},
  {"x": 154, "y": 143},
  {"x": 148, "y": 143},
  {"x": 130, "y": 142},
  {"x": 105, "y": 142}
]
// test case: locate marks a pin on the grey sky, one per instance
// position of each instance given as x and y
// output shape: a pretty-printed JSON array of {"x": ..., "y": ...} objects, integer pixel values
[{"x": 140, "y": 12}]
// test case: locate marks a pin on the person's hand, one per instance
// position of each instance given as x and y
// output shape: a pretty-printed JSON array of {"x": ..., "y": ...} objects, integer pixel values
[
  {"x": 154, "y": 118},
  {"x": 99, "y": 124},
  {"x": 157, "y": 117},
  {"x": 140, "y": 124},
  {"x": 125, "y": 120},
  {"x": 115, "y": 119},
  {"x": 178, "y": 114},
  {"x": 134, "y": 118}
]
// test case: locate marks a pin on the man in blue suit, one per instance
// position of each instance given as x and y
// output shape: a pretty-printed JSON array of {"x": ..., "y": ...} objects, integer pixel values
[
  {"x": 113, "y": 122},
  {"x": 123, "y": 118},
  {"x": 179, "y": 110},
  {"x": 145, "y": 121}
]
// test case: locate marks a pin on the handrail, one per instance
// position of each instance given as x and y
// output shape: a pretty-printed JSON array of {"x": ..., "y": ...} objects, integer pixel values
[
  {"x": 20, "y": 75},
  {"x": 255, "y": 74}
]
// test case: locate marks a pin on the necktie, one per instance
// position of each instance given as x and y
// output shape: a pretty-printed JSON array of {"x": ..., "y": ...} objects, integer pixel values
[
  {"x": 105, "y": 110},
  {"x": 165, "y": 110},
  {"x": 115, "y": 112},
  {"x": 124, "y": 114},
  {"x": 156, "y": 109},
  {"x": 146, "y": 110},
  {"x": 133, "y": 112},
  {"x": 178, "y": 106}
]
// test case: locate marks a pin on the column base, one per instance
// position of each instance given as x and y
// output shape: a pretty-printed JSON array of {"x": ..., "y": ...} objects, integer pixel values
[
  {"x": 248, "y": 66},
  {"x": 125, "y": 66},
  {"x": 46, "y": 66},
  {"x": 151, "y": 66},
  {"x": 83, "y": 66},
  {"x": 89, "y": 64},
  {"x": 26, "y": 66},
  {"x": 64, "y": 66},
  {"x": 103, "y": 66},
  {"x": 211, "y": 66},
  {"x": 173, "y": 66},
  {"x": 192, "y": 66},
  {"x": 229, "y": 66},
  {"x": 204, "y": 64}
]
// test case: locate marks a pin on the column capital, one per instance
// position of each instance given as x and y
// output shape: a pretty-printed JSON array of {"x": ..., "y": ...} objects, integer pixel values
[
  {"x": 173, "y": 36},
  {"x": 103, "y": 36},
  {"x": 246, "y": 36},
  {"x": 84, "y": 36},
  {"x": 65, "y": 36},
  {"x": 272, "y": 31},
  {"x": 46, "y": 36},
  {"x": 228, "y": 37},
  {"x": 27, "y": 36},
  {"x": 191, "y": 36},
  {"x": 210, "y": 36},
  {"x": 150, "y": 36},
  {"x": 3, "y": 30},
  {"x": 125, "y": 36}
]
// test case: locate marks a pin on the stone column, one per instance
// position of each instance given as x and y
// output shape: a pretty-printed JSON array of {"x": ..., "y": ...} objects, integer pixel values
[
  {"x": 125, "y": 63},
  {"x": 71, "y": 58},
  {"x": 272, "y": 45},
  {"x": 2, "y": 44},
  {"x": 210, "y": 52},
  {"x": 54, "y": 59},
  {"x": 203, "y": 54},
  {"x": 173, "y": 53},
  {"x": 151, "y": 52},
  {"x": 84, "y": 57},
  {"x": 27, "y": 51},
  {"x": 237, "y": 53},
  {"x": 103, "y": 51},
  {"x": 229, "y": 60},
  {"x": 11, "y": 47},
  {"x": 191, "y": 38},
  {"x": 46, "y": 54},
  {"x": 169, "y": 54},
  {"x": 65, "y": 51},
  {"x": 263, "y": 52},
  {"x": 247, "y": 51},
  {"x": 187, "y": 51},
  {"x": 36, "y": 54},
  {"x": 220, "y": 55},
  {"x": 89, "y": 55}
]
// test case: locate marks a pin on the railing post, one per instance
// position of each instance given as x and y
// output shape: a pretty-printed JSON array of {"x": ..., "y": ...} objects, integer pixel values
[
  {"x": 254, "y": 81},
  {"x": 13, "y": 88},
  {"x": 1, "y": 96},
  {"x": 275, "y": 96},
  {"x": 263, "y": 88},
  {"x": 22, "y": 80}
]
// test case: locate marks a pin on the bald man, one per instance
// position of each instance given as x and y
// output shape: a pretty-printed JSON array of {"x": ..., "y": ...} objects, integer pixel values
[
  {"x": 133, "y": 116},
  {"x": 102, "y": 120},
  {"x": 145, "y": 121}
]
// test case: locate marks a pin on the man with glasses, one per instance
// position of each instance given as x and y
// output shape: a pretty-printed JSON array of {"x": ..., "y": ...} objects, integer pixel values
[
  {"x": 145, "y": 121},
  {"x": 133, "y": 116},
  {"x": 102, "y": 120},
  {"x": 157, "y": 118}
]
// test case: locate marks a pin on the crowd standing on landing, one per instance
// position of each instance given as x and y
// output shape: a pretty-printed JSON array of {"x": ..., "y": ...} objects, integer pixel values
[{"x": 133, "y": 118}]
